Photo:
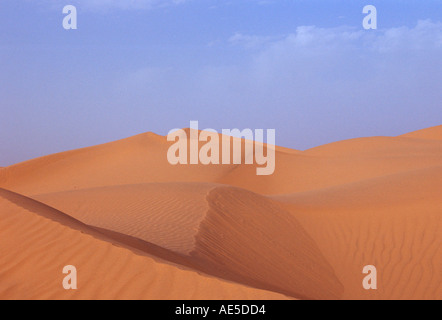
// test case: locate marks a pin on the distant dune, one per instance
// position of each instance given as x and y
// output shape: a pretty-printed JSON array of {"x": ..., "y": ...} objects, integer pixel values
[
  {"x": 433, "y": 133},
  {"x": 137, "y": 227}
]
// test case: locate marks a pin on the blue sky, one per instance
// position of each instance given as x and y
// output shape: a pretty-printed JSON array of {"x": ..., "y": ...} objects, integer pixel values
[{"x": 305, "y": 68}]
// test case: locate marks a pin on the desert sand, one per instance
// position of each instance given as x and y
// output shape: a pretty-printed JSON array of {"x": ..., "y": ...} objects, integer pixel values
[{"x": 137, "y": 227}]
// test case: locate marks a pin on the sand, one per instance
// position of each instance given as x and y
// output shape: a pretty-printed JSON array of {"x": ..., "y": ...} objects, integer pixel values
[
  {"x": 396, "y": 228},
  {"x": 138, "y": 228},
  {"x": 38, "y": 241},
  {"x": 207, "y": 225}
]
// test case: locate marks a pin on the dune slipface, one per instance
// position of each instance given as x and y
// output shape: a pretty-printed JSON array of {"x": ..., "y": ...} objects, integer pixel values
[
  {"x": 137, "y": 227},
  {"x": 259, "y": 242}
]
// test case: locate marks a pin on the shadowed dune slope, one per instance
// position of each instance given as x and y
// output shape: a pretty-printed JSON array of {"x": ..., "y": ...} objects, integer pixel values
[
  {"x": 392, "y": 222},
  {"x": 38, "y": 241},
  {"x": 224, "y": 231},
  {"x": 258, "y": 240}
]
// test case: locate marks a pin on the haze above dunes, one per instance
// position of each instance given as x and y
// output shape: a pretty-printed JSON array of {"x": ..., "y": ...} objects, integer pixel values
[{"x": 137, "y": 227}]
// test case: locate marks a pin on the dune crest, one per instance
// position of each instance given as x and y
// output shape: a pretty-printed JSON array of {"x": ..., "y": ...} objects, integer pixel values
[{"x": 433, "y": 133}]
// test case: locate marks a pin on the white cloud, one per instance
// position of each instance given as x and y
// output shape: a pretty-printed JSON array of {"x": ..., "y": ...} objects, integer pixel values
[
  {"x": 426, "y": 35},
  {"x": 252, "y": 41},
  {"x": 322, "y": 80},
  {"x": 315, "y": 57}
]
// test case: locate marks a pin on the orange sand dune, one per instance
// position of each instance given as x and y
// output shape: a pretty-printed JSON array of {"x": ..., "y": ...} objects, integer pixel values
[
  {"x": 139, "y": 159},
  {"x": 167, "y": 215},
  {"x": 393, "y": 222},
  {"x": 142, "y": 159},
  {"x": 137, "y": 227},
  {"x": 433, "y": 133},
  {"x": 38, "y": 241},
  {"x": 222, "y": 231},
  {"x": 339, "y": 163}
]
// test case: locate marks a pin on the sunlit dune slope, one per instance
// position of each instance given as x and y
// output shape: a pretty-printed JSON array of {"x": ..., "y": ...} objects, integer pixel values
[
  {"x": 339, "y": 163},
  {"x": 224, "y": 231},
  {"x": 38, "y": 241},
  {"x": 165, "y": 214},
  {"x": 138, "y": 159},
  {"x": 433, "y": 133},
  {"x": 143, "y": 159},
  {"x": 392, "y": 222}
]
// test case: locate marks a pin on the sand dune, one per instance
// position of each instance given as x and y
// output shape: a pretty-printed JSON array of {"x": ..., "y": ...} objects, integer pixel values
[
  {"x": 38, "y": 241},
  {"x": 138, "y": 159},
  {"x": 138, "y": 227},
  {"x": 339, "y": 163},
  {"x": 433, "y": 133},
  {"x": 222, "y": 231},
  {"x": 392, "y": 222},
  {"x": 135, "y": 160},
  {"x": 142, "y": 159},
  {"x": 145, "y": 211},
  {"x": 277, "y": 250}
]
